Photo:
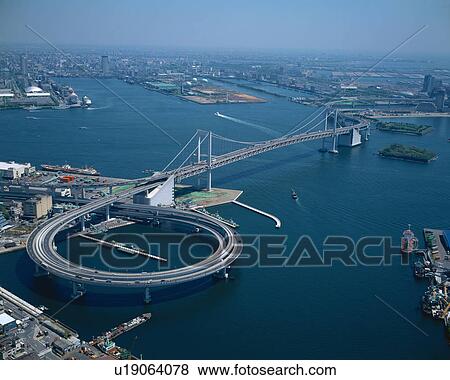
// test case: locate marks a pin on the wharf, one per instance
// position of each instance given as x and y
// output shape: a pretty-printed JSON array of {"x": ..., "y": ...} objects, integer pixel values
[
  {"x": 439, "y": 255},
  {"x": 273, "y": 217},
  {"x": 122, "y": 328}
]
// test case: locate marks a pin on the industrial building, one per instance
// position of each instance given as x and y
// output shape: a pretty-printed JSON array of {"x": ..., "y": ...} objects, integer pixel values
[
  {"x": 7, "y": 323},
  {"x": 37, "y": 207},
  {"x": 13, "y": 170},
  {"x": 34, "y": 91}
]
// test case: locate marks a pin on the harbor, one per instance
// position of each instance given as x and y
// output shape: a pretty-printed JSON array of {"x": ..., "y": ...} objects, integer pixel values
[
  {"x": 432, "y": 264},
  {"x": 27, "y": 332},
  {"x": 325, "y": 187}
]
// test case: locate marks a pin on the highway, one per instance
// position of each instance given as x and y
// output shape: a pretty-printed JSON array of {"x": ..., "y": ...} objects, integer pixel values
[{"x": 42, "y": 250}]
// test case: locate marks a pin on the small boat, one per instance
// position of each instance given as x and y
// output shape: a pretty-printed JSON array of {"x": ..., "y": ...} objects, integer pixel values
[
  {"x": 409, "y": 242},
  {"x": 294, "y": 194}
]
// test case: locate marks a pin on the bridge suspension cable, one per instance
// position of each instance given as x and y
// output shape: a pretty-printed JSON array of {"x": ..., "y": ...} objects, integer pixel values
[
  {"x": 295, "y": 129},
  {"x": 190, "y": 155},
  {"x": 181, "y": 151}
]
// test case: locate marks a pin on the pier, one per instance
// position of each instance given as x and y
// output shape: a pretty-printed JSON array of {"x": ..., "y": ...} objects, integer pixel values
[
  {"x": 123, "y": 248},
  {"x": 273, "y": 217}
]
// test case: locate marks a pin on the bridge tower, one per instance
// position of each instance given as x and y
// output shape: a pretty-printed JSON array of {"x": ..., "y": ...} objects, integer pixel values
[
  {"x": 334, "y": 138},
  {"x": 325, "y": 128},
  {"x": 209, "y": 185},
  {"x": 199, "y": 148}
]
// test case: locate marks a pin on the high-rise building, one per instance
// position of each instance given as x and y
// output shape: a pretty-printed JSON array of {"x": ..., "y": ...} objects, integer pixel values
[
  {"x": 426, "y": 82},
  {"x": 23, "y": 65},
  {"x": 105, "y": 64},
  {"x": 439, "y": 99}
]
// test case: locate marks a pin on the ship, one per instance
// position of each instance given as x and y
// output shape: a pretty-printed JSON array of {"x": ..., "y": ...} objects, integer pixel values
[
  {"x": 68, "y": 169},
  {"x": 294, "y": 194},
  {"x": 86, "y": 102},
  {"x": 409, "y": 241}
]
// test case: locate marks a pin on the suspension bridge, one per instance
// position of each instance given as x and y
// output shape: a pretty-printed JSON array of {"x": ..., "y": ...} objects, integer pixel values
[{"x": 195, "y": 158}]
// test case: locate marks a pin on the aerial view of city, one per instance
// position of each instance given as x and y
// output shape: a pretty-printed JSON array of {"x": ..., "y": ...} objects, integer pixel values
[{"x": 195, "y": 185}]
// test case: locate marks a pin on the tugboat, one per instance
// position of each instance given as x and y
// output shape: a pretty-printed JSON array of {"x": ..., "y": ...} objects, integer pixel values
[
  {"x": 409, "y": 241},
  {"x": 294, "y": 194}
]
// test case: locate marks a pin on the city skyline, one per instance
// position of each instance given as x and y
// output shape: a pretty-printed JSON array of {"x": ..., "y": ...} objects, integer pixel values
[{"x": 300, "y": 26}]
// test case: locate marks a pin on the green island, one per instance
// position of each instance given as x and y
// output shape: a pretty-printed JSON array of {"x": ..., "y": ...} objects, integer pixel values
[
  {"x": 405, "y": 128},
  {"x": 410, "y": 153}
]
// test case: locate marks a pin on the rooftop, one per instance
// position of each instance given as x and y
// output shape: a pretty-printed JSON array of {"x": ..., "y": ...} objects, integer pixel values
[
  {"x": 12, "y": 165},
  {"x": 5, "y": 319}
]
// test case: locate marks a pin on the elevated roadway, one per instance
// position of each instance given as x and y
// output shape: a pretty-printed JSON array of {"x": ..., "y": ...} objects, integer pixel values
[{"x": 41, "y": 247}]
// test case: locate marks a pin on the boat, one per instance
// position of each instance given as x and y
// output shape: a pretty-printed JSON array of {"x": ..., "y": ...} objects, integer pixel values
[
  {"x": 294, "y": 194},
  {"x": 218, "y": 114},
  {"x": 32, "y": 108},
  {"x": 409, "y": 241},
  {"x": 68, "y": 169},
  {"x": 86, "y": 102}
]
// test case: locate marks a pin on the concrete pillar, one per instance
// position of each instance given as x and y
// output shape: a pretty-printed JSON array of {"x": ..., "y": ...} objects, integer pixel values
[
  {"x": 222, "y": 273},
  {"x": 39, "y": 272},
  {"x": 147, "y": 295},
  {"x": 78, "y": 289},
  {"x": 107, "y": 213},
  {"x": 209, "y": 186},
  {"x": 83, "y": 225},
  {"x": 110, "y": 190},
  {"x": 83, "y": 193}
]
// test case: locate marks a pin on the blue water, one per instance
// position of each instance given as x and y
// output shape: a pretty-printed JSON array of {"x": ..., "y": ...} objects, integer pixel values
[{"x": 300, "y": 312}]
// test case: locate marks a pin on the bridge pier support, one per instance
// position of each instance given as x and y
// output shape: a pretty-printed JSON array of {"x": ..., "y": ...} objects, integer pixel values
[
  {"x": 78, "y": 289},
  {"x": 110, "y": 190},
  {"x": 367, "y": 134},
  {"x": 222, "y": 273},
  {"x": 147, "y": 295},
  {"x": 83, "y": 193},
  {"x": 82, "y": 222},
  {"x": 107, "y": 213},
  {"x": 40, "y": 272}
]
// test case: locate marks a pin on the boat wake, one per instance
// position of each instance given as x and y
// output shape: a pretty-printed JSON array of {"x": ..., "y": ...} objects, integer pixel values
[
  {"x": 33, "y": 117},
  {"x": 97, "y": 108},
  {"x": 247, "y": 123}
]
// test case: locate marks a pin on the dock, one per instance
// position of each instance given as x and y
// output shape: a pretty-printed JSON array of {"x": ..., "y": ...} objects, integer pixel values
[
  {"x": 438, "y": 251},
  {"x": 273, "y": 217},
  {"x": 122, "y": 247}
]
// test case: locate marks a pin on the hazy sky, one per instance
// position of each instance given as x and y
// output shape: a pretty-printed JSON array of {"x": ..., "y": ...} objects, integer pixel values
[{"x": 351, "y": 25}]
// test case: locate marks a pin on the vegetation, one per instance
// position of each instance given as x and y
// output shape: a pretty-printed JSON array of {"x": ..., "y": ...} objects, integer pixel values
[
  {"x": 406, "y": 128},
  {"x": 411, "y": 153},
  {"x": 4, "y": 211}
]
